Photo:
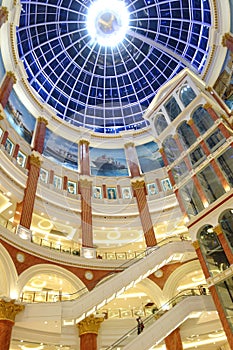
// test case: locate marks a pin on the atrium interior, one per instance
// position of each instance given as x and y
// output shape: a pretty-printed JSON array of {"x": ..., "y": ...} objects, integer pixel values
[{"x": 116, "y": 163}]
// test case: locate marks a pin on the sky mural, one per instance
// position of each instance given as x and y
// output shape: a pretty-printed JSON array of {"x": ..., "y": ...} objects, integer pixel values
[{"x": 149, "y": 157}]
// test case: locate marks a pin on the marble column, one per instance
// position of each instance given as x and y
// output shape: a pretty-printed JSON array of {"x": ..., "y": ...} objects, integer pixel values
[
  {"x": 204, "y": 267},
  {"x": 3, "y": 15},
  {"x": 132, "y": 159},
  {"x": 84, "y": 157},
  {"x": 8, "y": 311},
  {"x": 173, "y": 340},
  {"x": 88, "y": 331},
  {"x": 40, "y": 134},
  {"x": 224, "y": 243},
  {"x": 138, "y": 186},
  {"x": 6, "y": 88},
  {"x": 85, "y": 185},
  {"x": 30, "y": 190}
]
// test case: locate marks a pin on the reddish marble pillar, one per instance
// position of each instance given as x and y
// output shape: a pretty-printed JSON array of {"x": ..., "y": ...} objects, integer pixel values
[
  {"x": 86, "y": 212},
  {"x": 65, "y": 183},
  {"x": 194, "y": 128},
  {"x": 173, "y": 340},
  {"x": 224, "y": 243},
  {"x": 84, "y": 157},
  {"x": 30, "y": 191},
  {"x": 201, "y": 259},
  {"x": 16, "y": 151},
  {"x": 147, "y": 225},
  {"x": 162, "y": 152},
  {"x": 132, "y": 159},
  {"x": 6, "y": 88},
  {"x": 205, "y": 148},
  {"x": 40, "y": 134},
  {"x": 3, "y": 15},
  {"x": 181, "y": 204},
  {"x": 219, "y": 174},
  {"x": 4, "y": 138},
  {"x": 8, "y": 312},
  {"x": 222, "y": 316},
  {"x": 51, "y": 176},
  {"x": 200, "y": 190},
  {"x": 88, "y": 331}
]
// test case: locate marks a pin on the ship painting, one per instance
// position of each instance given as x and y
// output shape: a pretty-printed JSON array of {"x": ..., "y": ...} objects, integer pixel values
[
  {"x": 17, "y": 120},
  {"x": 108, "y": 163},
  {"x": 61, "y": 150}
]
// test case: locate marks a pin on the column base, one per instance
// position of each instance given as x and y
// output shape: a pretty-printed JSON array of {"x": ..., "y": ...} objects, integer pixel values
[
  {"x": 24, "y": 233},
  {"x": 88, "y": 252}
]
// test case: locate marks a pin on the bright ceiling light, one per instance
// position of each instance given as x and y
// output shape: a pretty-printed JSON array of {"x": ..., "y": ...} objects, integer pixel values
[{"x": 107, "y": 22}]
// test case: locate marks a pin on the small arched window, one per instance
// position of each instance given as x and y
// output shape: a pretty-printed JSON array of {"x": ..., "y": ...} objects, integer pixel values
[
  {"x": 171, "y": 149},
  {"x": 186, "y": 135},
  {"x": 160, "y": 124},
  {"x": 202, "y": 120},
  {"x": 187, "y": 95}
]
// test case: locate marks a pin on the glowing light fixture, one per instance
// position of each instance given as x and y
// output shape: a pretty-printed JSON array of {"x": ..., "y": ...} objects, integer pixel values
[{"x": 107, "y": 22}]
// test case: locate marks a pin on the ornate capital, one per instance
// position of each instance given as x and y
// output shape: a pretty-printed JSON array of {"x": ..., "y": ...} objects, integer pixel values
[
  {"x": 218, "y": 230},
  {"x": 207, "y": 105},
  {"x": 34, "y": 160},
  {"x": 85, "y": 181},
  {"x": 8, "y": 309},
  {"x": 4, "y": 12},
  {"x": 91, "y": 324},
  {"x": 226, "y": 36},
  {"x": 42, "y": 120},
  {"x": 137, "y": 184},
  {"x": 12, "y": 76},
  {"x": 129, "y": 144},
  {"x": 84, "y": 142},
  {"x": 196, "y": 245}
]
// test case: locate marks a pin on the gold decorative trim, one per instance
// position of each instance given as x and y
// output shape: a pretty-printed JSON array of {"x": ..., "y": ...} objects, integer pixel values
[
  {"x": 138, "y": 184},
  {"x": 5, "y": 12},
  {"x": 12, "y": 75},
  {"x": 90, "y": 324},
  {"x": 8, "y": 309},
  {"x": 42, "y": 120},
  {"x": 129, "y": 144},
  {"x": 34, "y": 160},
  {"x": 196, "y": 245},
  {"x": 218, "y": 230}
]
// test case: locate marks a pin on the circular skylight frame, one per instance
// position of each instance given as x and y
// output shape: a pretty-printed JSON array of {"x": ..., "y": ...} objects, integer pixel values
[{"x": 107, "y": 89}]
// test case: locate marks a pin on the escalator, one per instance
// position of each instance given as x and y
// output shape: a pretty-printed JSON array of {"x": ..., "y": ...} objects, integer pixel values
[
  {"x": 187, "y": 304},
  {"x": 116, "y": 284}
]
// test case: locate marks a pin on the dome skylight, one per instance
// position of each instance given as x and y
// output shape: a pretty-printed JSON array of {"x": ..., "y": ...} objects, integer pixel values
[
  {"x": 107, "y": 22},
  {"x": 102, "y": 74}
]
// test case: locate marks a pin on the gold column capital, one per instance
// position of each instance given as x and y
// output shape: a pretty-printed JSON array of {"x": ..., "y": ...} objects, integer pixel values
[
  {"x": 42, "y": 120},
  {"x": 9, "y": 309},
  {"x": 84, "y": 142},
  {"x": 85, "y": 181},
  {"x": 137, "y": 183},
  {"x": 218, "y": 230},
  {"x": 225, "y": 37},
  {"x": 35, "y": 160},
  {"x": 129, "y": 144},
  {"x": 5, "y": 12},
  {"x": 196, "y": 245},
  {"x": 90, "y": 324},
  {"x": 12, "y": 75},
  {"x": 207, "y": 105}
]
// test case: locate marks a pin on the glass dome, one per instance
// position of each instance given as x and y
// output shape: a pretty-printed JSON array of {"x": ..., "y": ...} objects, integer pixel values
[{"x": 98, "y": 82}]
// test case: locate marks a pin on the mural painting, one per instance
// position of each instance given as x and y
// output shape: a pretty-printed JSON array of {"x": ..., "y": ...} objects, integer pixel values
[
  {"x": 108, "y": 162},
  {"x": 60, "y": 150},
  {"x": 19, "y": 117},
  {"x": 149, "y": 157}
]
